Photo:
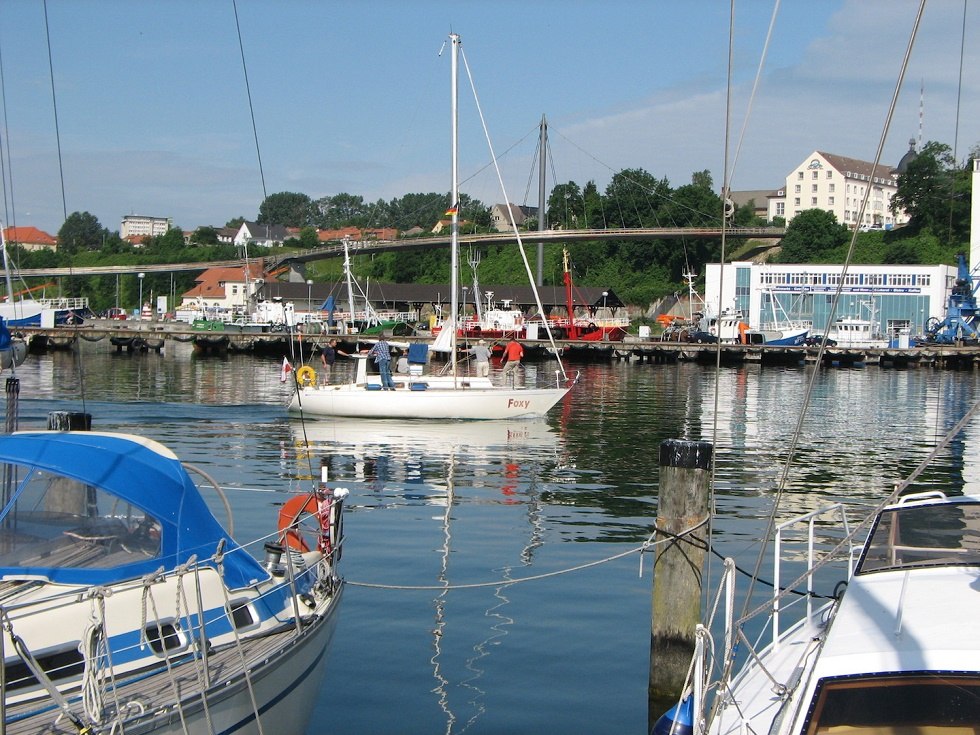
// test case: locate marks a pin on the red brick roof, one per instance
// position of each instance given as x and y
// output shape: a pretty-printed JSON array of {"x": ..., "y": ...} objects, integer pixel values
[
  {"x": 29, "y": 235},
  {"x": 210, "y": 284}
]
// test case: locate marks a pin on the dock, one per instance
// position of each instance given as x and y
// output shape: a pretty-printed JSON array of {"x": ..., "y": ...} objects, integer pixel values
[{"x": 155, "y": 336}]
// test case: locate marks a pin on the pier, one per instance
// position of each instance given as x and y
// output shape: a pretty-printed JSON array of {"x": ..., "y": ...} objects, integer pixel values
[{"x": 133, "y": 336}]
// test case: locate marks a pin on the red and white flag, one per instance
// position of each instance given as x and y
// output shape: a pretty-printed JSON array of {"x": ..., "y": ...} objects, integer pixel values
[{"x": 286, "y": 370}]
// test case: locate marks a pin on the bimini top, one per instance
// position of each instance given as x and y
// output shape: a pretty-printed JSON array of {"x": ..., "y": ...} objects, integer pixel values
[{"x": 95, "y": 508}]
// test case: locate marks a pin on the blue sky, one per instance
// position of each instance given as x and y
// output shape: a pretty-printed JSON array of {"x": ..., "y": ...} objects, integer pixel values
[{"x": 352, "y": 96}]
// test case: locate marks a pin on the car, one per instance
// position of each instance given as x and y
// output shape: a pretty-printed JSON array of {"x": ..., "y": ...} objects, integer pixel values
[
  {"x": 115, "y": 313},
  {"x": 814, "y": 340},
  {"x": 702, "y": 337}
]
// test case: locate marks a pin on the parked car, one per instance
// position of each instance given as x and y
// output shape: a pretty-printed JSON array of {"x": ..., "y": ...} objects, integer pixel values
[
  {"x": 814, "y": 340},
  {"x": 702, "y": 337},
  {"x": 115, "y": 313}
]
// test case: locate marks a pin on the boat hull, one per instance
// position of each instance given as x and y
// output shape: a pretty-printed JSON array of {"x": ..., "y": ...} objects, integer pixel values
[{"x": 471, "y": 403}]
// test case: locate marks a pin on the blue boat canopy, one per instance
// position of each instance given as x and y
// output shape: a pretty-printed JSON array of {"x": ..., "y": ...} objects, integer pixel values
[{"x": 95, "y": 508}]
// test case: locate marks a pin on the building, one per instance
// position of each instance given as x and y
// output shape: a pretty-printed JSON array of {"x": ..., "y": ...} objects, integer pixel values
[
  {"x": 895, "y": 297},
  {"x": 758, "y": 198},
  {"x": 29, "y": 238},
  {"x": 838, "y": 184},
  {"x": 138, "y": 225},
  {"x": 224, "y": 288},
  {"x": 269, "y": 236},
  {"x": 500, "y": 218}
]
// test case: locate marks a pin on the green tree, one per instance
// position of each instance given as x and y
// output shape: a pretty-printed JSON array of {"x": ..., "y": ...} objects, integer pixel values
[
  {"x": 340, "y": 210},
  {"x": 205, "y": 236},
  {"x": 935, "y": 193},
  {"x": 566, "y": 207},
  {"x": 81, "y": 231},
  {"x": 811, "y": 234},
  {"x": 634, "y": 198},
  {"x": 308, "y": 237},
  {"x": 287, "y": 208}
]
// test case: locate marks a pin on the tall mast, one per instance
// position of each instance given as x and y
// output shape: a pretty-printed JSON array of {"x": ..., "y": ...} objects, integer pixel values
[
  {"x": 542, "y": 195},
  {"x": 454, "y": 201},
  {"x": 350, "y": 286}
]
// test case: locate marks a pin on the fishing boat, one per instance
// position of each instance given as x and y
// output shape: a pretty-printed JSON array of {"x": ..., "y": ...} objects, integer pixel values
[
  {"x": 449, "y": 395},
  {"x": 127, "y": 607}
]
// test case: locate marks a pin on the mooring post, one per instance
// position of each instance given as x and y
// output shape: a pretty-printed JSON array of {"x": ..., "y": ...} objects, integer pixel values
[
  {"x": 682, "y": 512},
  {"x": 69, "y": 421}
]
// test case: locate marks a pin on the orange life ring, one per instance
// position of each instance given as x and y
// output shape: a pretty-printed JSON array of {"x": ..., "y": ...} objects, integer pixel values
[{"x": 292, "y": 512}]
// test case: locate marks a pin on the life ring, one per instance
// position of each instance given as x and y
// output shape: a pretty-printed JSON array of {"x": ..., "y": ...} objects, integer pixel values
[
  {"x": 306, "y": 375},
  {"x": 293, "y": 511}
]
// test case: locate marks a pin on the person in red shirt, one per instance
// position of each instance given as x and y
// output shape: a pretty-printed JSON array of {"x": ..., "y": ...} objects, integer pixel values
[{"x": 513, "y": 352}]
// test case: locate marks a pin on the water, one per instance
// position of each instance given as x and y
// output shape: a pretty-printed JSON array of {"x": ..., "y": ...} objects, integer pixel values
[{"x": 434, "y": 508}]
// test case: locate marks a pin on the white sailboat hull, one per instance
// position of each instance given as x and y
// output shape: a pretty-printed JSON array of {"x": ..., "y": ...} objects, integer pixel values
[{"x": 464, "y": 402}]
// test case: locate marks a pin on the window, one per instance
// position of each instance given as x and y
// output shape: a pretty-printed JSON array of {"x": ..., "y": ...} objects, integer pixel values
[
  {"x": 830, "y": 201},
  {"x": 780, "y": 209},
  {"x": 813, "y": 201},
  {"x": 796, "y": 189},
  {"x": 830, "y": 174},
  {"x": 813, "y": 188},
  {"x": 799, "y": 175},
  {"x": 830, "y": 188},
  {"x": 796, "y": 202},
  {"x": 815, "y": 175}
]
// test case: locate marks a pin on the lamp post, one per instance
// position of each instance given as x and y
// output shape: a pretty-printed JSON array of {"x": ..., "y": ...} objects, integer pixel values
[
  {"x": 462, "y": 311},
  {"x": 309, "y": 299},
  {"x": 604, "y": 295},
  {"x": 141, "y": 276}
]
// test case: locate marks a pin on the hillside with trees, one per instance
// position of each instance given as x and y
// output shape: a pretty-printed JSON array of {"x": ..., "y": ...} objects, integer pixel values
[{"x": 934, "y": 191}]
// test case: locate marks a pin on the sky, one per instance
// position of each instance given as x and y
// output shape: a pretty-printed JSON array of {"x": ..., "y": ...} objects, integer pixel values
[{"x": 149, "y": 105}]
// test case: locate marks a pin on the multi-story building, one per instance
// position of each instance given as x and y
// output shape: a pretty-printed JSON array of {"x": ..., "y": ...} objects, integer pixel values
[
  {"x": 838, "y": 184},
  {"x": 893, "y": 297},
  {"x": 138, "y": 225}
]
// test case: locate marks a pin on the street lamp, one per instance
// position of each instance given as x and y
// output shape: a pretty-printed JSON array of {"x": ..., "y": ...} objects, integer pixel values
[
  {"x": 309, "y": 299},
  {"x": 604, "y": 295},
  {"x": 141, "y": 276}
]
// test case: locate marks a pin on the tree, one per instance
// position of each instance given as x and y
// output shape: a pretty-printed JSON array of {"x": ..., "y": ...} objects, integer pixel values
[
  {"x": 635, "y": 198},
  {"x": 810, "y": 234},
  {"x": 81, "y": 231},
  {"x": 566, "y": 207},
  {"x": 205, "y": 236},
  {"x": 340, "y": 210},
  {"x": 935, "y": 193},
  {"x": 287, "y": 208},
  {"x": 308, "y": 237}
]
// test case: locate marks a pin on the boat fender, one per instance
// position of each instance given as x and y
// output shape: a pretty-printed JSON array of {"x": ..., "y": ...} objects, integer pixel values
[
  {"x": 678, "y": 720},
  {"x": 592, "y": 326},
  {"x": 293, "y": 511},
  {"x": 306, "y": 375}
]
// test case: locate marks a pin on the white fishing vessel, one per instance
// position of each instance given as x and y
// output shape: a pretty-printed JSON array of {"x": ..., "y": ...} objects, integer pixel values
[
  {"x": 127, "y": 606},
  {"x": 451, "y": 395}
]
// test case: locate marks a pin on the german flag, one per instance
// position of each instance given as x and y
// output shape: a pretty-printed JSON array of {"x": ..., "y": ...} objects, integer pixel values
[{"x": 452, "y": 210}]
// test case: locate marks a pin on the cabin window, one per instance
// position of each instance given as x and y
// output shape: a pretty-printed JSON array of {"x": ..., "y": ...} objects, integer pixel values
[
  {"x": 927, "y": 703},
  {"x": 165, "y": 635},
  {"x": 941, "y": 534},
  {"x": 53, "y": 519},
  {"x": 243, "y": 615},
  {"x": 60, "y": 663}
]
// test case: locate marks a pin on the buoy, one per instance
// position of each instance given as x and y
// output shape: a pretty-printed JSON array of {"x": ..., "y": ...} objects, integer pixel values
[
  {"x": 306, "y": 375},
  {"x": 678, "y": 720}
]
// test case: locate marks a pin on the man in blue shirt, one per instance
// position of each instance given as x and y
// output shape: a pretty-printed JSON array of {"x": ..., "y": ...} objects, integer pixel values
[{"x": 381, "y": 352}]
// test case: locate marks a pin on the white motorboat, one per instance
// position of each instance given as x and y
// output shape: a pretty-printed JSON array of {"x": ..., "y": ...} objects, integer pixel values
[
  {"x": 127, "y": 607},
  {"x": 439, "y": 397},
  {"x": 891, "y": 648}
]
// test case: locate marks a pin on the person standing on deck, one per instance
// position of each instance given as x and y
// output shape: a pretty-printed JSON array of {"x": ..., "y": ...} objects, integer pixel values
[
  {"x": 513, "y": 352},
  {"x": 328, "y": 356},
  {"x": 481, "y": 353},
  {"x": 381, "y": 352}
]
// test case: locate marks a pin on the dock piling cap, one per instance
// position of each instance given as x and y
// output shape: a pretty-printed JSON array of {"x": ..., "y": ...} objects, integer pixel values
[{"x": 686, "y": 454}]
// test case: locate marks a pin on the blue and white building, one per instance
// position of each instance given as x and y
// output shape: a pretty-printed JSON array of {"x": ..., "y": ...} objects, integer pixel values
[{"x": 895, "y": 298}]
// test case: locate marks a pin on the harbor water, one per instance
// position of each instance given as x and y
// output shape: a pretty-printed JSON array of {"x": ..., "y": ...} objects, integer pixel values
[{"x": 494, "y": 584}]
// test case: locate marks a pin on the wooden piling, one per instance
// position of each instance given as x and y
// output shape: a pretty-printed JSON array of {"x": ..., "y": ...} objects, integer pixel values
[
  {"x": 685, "y": 474},
  {"x": 66, "y": 495}
]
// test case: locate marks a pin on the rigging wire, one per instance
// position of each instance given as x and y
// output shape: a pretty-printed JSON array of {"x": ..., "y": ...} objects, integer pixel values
[
  {"x": 251, "y": 109},
  {"x": 6, "y": 165},
  {"x": 956, "y": 127},
  {"x": 804, "y": 404},
  {"x": 54, "y": 103}
]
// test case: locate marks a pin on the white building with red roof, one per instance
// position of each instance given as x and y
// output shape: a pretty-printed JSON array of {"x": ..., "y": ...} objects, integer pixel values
[
  {"x": 225, "y": 288},
  {"x": 30, "y": 238}
]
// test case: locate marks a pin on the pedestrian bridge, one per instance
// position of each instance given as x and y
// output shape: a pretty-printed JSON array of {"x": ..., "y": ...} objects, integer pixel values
[{"x": 296, "y": 259}]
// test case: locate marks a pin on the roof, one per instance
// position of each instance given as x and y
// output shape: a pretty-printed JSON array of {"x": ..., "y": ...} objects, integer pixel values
[
  {"x": 210, "y": 284},
  {"x": 435, "y": 293},
  {"x": 144, "y": 474},
  {"x": 29, "y": 235},
  {"x": 856, "y": 166}
]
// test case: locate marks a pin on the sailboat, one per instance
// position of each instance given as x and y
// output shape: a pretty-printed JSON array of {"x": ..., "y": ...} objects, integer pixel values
[
  {"x": 445, "y": 396},
  {"x": 871, "y": 632}
]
